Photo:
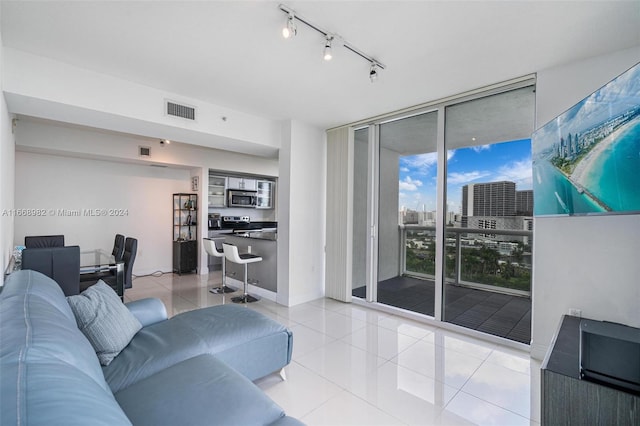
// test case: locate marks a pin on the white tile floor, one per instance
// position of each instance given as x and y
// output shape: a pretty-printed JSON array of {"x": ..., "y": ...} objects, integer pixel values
[{"x": 356, "y": 366}]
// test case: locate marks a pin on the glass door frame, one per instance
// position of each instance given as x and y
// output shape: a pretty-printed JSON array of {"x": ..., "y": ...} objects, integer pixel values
[
  {"x": 372, "y": 210},
  {"x": 373, "y": 185}
]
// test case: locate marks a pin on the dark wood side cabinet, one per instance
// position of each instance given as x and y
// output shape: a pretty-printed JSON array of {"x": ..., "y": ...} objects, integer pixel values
[
  {"x": 185, "y": 256},
  {"x": 568, "y": 400}
]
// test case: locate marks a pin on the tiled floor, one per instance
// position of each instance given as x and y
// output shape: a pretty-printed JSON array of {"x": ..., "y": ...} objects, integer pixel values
[{"x": 356, "y": 366}]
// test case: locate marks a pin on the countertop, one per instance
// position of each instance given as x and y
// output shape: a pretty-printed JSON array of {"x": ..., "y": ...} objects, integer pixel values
[{"x": 246, "y": 226}]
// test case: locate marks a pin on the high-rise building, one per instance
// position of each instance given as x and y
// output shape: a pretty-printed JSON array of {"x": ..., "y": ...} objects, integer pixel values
[
  {"x": 524, "y": 203},
  {"x": 489, "y": 199}
]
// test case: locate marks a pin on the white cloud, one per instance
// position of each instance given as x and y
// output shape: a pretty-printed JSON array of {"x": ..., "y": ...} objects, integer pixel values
[
  {"x": 460, "y": 178},
  {"x": 404, "y": 169},
  {"x": 519, "y": 172},
  {"x": 409, "y": 184},
  {"x": 422, "y": 162},
  {"x": 479, "y": 148}
]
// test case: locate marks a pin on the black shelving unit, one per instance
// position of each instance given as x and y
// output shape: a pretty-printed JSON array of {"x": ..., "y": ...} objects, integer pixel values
[{"x": 185, "y": 233}]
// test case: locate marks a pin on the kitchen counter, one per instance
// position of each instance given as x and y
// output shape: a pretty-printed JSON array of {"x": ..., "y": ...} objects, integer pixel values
[
  {"x": 263, "y": 243},
  {"x": 262, "y": 274},
  {"x": 259, "y": 235}
]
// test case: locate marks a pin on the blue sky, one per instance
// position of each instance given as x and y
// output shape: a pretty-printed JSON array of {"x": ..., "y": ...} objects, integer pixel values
[
  {"x": 479, "y": 164},
  {"x": 616, "y": 97}
]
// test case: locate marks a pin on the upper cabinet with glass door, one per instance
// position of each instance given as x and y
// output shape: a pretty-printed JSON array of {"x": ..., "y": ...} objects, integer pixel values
[
  {"x": 241, "y": 183},
  {"x": 217, "y": 190},
  {"x": 266, "y": 190}
]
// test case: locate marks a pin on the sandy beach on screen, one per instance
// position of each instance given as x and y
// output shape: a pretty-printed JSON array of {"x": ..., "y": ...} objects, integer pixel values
[{"x": 586, "y": 164}]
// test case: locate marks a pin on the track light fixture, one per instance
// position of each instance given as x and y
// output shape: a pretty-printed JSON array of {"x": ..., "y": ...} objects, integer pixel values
[
  {"x": 330, "y": 38},
  {"x": 327, "y": 49},
  {"x": 290, "y": 29},
  {"x": 373, "y": 72}
]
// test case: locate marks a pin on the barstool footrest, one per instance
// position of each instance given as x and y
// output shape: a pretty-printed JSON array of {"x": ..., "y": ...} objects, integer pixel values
[
  {"x": 245, "y": 298},
  {"x": 223, "y": 289}
]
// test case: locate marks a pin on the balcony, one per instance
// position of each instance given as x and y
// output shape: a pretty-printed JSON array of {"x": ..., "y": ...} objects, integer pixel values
[{"x": 487, "y": 279}]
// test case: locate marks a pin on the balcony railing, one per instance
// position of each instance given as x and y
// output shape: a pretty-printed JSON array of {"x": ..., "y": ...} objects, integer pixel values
[{"x": 488, "y": 259}]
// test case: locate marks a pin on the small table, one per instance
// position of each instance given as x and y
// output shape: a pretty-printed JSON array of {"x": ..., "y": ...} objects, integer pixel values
[{"x": 98, "y": 260}]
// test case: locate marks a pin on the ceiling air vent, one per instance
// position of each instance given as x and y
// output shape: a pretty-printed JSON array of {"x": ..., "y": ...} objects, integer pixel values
[
  {"x": 144, "y": 151},
  {"x": 182, "y": 111}
]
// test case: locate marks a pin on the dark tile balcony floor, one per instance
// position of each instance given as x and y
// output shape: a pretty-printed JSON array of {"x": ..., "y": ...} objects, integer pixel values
[{"x": 493, "y": 313}]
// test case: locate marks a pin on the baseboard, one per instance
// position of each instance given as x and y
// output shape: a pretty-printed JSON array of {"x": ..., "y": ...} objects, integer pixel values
[{"x": 255, "y": 290}]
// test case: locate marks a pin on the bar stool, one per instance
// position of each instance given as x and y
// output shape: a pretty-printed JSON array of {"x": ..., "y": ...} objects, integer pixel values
[
  {"x": 231, "y": 254},
  {"x": 212, "y": 250}
]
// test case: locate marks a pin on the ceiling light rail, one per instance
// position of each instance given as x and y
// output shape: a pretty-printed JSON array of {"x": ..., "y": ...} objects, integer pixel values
[{"x": 290, "y": 29}]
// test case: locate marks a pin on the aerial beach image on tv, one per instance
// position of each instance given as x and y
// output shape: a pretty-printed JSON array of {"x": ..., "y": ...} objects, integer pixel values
[{"x": 587, "y": 160}]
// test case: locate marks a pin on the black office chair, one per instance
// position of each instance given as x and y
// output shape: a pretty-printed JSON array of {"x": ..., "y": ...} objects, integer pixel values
[
  {"x": 44, "y": 241},
  {"x": 62, "y": 264},
  {"x": 129, "y": 257},
  {"x": 89, "y": 279},
  {"x": 118, "y": 247}
]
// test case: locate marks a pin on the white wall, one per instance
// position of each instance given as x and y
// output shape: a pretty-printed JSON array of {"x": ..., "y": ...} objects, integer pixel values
[
  {"x": 7, "y": 152},
  {"x": 53, "y": 171},
  {"x": 301, "y": 217},
  {"x": 52, "y": 182},
  {"x": 45, "y": 88},
  {"x": 589, "y": 263}
]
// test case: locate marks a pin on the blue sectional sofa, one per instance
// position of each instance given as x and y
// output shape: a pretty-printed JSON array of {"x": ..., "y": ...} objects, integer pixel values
[{"x": 193, "y": 369}]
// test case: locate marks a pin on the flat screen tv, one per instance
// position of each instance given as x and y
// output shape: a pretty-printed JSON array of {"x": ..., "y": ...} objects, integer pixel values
[
  {"x": 587, "y": 160},
  {"x": 610, "y": 354}
]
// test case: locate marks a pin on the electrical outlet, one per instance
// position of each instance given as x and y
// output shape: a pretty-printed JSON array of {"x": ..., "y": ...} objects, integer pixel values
[{"x": 575, "y": 312}]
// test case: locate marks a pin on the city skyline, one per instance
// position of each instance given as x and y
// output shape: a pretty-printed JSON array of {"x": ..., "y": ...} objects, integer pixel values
[{"x": 506, "y": 161}]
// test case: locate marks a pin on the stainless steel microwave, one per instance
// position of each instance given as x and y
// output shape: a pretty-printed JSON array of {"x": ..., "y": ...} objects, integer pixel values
[{"x": 241, "y": 198}]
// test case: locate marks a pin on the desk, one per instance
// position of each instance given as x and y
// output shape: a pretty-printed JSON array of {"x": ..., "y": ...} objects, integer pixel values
[{"x": 98, "y": 260}]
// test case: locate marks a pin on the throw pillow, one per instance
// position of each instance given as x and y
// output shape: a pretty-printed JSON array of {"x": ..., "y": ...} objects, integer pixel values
[{"x": 104, "y": 320}]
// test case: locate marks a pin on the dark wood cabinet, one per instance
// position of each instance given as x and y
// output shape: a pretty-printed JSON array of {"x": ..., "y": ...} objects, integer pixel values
[
  {"x": 185, "y": 256},
  {"x": 566, "y": 399}
]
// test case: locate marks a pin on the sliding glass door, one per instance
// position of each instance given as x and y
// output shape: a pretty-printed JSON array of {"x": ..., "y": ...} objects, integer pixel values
[
  {"x": 487, "y": 251},
  {"x": 459, "y": 170}
]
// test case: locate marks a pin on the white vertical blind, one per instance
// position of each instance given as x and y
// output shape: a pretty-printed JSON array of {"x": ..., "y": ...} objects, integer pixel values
[{"x": 339, "y": 215}]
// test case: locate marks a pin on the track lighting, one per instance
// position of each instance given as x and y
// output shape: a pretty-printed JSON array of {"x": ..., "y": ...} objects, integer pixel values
[
  {"x": 290, "y": 28},
  {"x": 330, "y": 38},
  {"x": 327, "y": 49},
  {"x": 373, "y": 72}
]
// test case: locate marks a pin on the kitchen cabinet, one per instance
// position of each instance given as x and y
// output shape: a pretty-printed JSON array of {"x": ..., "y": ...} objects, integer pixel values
[
  {"x": 241, "y": 183},
  {"x": 217, "y": 190},
  {"x": 265, "y": 197},
  {"x": 185, "y": 232}
]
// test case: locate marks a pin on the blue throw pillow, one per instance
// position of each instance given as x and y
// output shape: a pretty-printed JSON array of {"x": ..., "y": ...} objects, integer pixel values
[{"x": 104, "y": 320}]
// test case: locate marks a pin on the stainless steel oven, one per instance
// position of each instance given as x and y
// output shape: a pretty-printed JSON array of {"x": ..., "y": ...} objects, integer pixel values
[{"x": 241, "y": 198}]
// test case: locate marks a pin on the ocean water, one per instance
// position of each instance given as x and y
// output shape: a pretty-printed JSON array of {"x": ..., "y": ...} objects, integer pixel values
[
  {"x": 615, "y": 175},
  {"x": 554, "y": 194}
]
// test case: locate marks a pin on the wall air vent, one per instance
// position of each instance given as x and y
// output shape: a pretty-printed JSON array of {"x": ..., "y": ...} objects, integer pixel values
[
  {"x": 182, "y": 111},
  {"x": 144, "y": 151}
]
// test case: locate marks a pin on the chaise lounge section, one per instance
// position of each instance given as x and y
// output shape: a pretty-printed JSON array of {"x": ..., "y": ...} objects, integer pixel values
[{"x": 195, "y": 368}]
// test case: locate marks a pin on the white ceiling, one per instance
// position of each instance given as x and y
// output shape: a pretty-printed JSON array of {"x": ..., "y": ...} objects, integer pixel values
[{"x": 231, "y": 53}]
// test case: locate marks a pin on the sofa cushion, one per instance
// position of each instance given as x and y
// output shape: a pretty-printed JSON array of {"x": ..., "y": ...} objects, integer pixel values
[
  {"x": 49, "y": 372},
  {"x": 220, "y": 397},
  {"x": 248, "y": 341},
  {"x": 105, "y": 320}
]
